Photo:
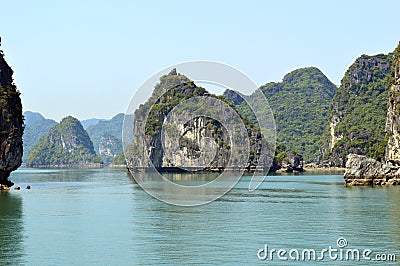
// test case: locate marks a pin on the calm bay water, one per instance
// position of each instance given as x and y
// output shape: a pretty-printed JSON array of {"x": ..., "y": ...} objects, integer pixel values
[{"x": 100, "y": 216}]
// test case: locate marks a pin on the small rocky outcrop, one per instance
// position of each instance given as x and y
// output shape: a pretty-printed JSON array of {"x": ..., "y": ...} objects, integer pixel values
[
  {"x": 295, "y": 163},
  {"x": 11, "y": 123},
  {"x": 361, "y": 170}
]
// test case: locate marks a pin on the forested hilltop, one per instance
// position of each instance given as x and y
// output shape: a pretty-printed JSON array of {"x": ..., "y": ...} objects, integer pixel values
[
  {"x": 300, "y": 104},
  {"x": 66, "y": 145}
]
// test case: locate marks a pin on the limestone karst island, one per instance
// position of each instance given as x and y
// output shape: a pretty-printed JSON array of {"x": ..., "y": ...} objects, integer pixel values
[{"x": 11, "y": 124}]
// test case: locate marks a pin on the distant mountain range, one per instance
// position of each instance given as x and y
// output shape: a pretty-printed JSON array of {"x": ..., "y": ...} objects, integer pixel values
[
  {"x": 91, "y": 122},
  {"x": 36, "y": 126},
  {"x": 31, "y": 118}
]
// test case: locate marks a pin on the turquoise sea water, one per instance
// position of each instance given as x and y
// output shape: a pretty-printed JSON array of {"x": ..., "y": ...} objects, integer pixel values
[{"x": 100, "y": 216}]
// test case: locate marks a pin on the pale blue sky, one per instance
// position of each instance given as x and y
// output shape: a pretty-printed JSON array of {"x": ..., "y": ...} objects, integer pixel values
[{"x": 86, "y": 58}]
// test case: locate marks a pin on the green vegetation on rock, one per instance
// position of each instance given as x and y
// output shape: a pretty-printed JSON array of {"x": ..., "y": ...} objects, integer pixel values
[
  {"x": 109, "y": 147},
  {"x": 104, "y": 129},
  {"x": 66, "y": 144},
  {"x": 391, "y": 78},
  {"x": 150, "y": 117},
  {"x": 36, "y": 126},
  {"x": 11, "y": 123},
  {"x": 358, "y": 111},
  {"x": 300, "y": 105}
]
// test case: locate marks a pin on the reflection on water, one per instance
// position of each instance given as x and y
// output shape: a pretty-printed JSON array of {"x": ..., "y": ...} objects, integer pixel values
[
  {"x": 187, "y": 179},
  {"x": 191, "y": 178},
  {"x": 11, "y": 229},
  {"x": 187, "y": 189},
  {"x": 394, "y": 216}
]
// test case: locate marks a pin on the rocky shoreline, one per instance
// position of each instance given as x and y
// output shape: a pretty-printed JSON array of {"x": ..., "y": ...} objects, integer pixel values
[
  {"x": 361, "y": 171},
  {"x": 323, "y": 169}
]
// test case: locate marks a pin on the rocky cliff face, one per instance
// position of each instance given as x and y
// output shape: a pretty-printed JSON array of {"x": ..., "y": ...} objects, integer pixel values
[
  {"x": 197, "y": 142},
  {"x": 392, "y": 153},
  {"x": 109, "y": 147},
  {"x": 103, "y": 128},
  {"x": 358, "y": 111},
  {"x": 67, "y": 144},
  {"x": 11, "y": 123},
  {"x": 361, "y": 170}
]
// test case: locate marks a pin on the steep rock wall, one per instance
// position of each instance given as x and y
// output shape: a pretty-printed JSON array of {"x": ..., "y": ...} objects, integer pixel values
[
  {"x": 358, "y": 111},
  {"x": 11, "y": 123},
  {"x": 392, "y": 153}
]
